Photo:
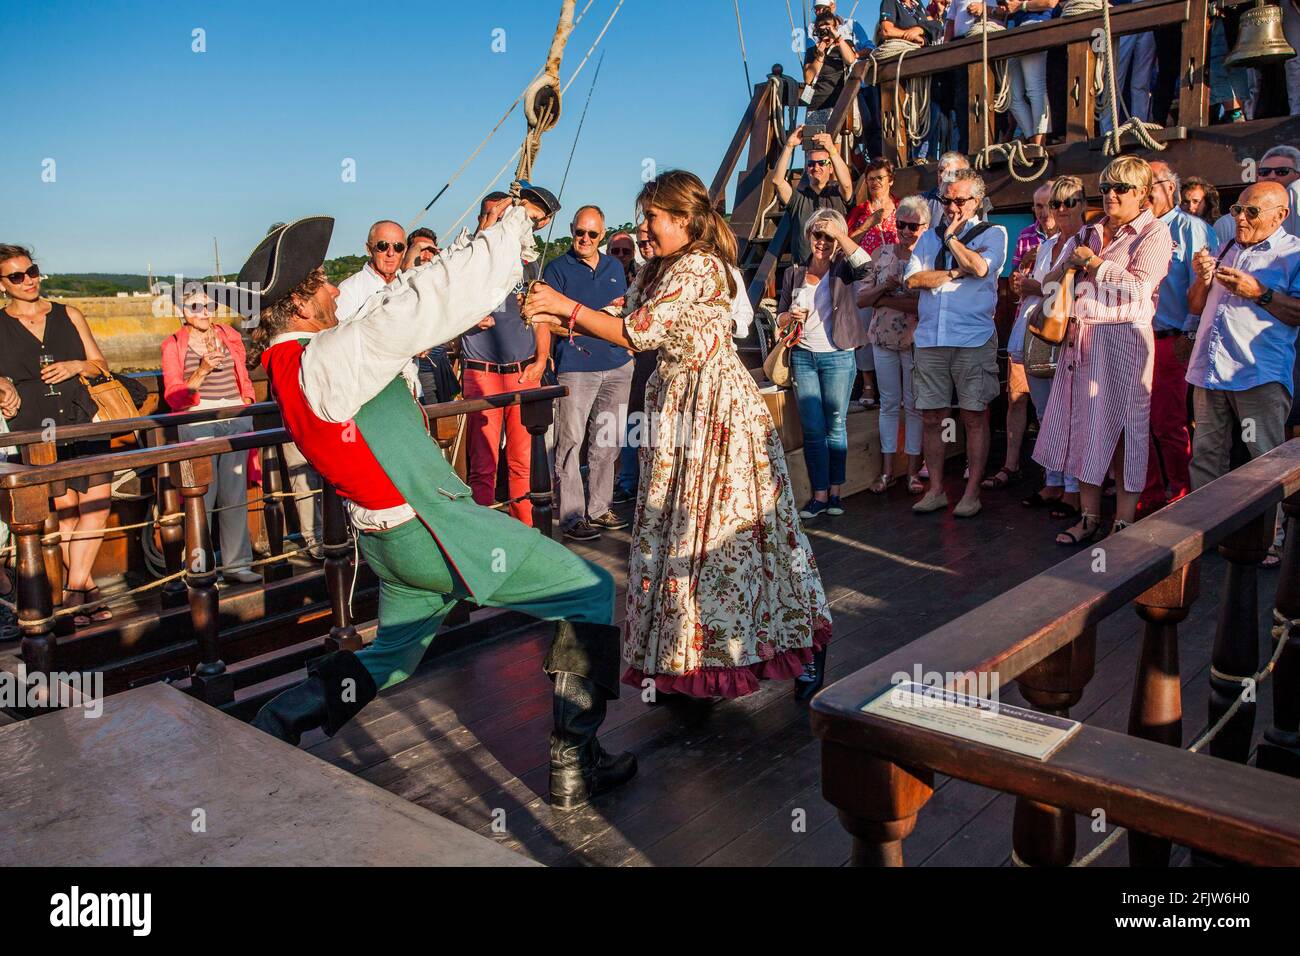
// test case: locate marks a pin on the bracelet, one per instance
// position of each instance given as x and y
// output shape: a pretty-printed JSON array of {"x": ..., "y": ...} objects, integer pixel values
[{"x": 573, "y": 318}]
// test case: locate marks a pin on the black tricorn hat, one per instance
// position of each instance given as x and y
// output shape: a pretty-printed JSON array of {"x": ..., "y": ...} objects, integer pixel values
[
  {"x": 542, "y": 196},
  {"x": 288, "y": 255}
]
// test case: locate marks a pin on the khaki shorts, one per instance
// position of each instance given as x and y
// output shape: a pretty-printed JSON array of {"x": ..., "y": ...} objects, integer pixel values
[{"x": 972, "y": 373}]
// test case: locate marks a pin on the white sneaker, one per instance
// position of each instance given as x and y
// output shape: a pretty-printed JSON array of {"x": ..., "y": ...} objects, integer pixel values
[{"x": 242, "y": 576}]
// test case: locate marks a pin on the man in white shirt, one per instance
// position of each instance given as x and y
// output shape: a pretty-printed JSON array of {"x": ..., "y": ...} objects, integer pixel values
[
  {"x": 417, "y": 525},
  {"x": 955, "y": 266},
  {"x": 385, "y": 244}
]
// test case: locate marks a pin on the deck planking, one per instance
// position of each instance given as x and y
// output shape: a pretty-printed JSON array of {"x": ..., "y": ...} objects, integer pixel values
[{"x": 737, "y": 782}]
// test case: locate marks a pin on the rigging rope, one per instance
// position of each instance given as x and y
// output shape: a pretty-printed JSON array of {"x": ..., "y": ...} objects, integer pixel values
[
  {"x": 915, "y": 106},
  {"x": 488, "y": 188},
  {"x": 504, "y": 116},
  {"x": 564, "y": 181},
  {"x": 1137, "y": 127},
  {"x": 749, "y": 84}
]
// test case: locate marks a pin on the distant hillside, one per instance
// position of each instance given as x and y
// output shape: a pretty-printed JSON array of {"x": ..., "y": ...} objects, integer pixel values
[{"x": 93, "y": 283}]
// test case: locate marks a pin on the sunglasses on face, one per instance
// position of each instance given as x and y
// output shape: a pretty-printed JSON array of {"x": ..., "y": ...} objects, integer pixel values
[
  {"x": 198, "y": 308},
  {"x": 1251, "y": 212},
  {"x": 586, "y": 234},
  {"x": 1058, "y": 204},
  {"x": 959, "y": 202},
  {"x": 645, "y": 243},
  {"x": 383, "y": 245},
  {"x": 1119, "y": 189},
  {"x": 820, "y": 236},
  {"x": 1276, "y": 170},
  {"x": 904, "y": 226},
  {"x": 819, "y": 162},
  {"x": 620, "y": 251},
  {"x": 31, "y": 272}
]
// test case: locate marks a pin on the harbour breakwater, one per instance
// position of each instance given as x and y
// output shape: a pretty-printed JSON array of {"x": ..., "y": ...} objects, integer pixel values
[{"x": 129, "y": 329}]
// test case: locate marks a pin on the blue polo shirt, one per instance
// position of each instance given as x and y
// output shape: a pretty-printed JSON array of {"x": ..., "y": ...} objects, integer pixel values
[
  {"x": 1190, "y": 234},
  {"x": 594, "y": 288},
  {"x": 509, "y": 340}
]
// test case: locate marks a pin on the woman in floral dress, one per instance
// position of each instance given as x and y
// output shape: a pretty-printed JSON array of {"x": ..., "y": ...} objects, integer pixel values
[{"x": 723, "y": 588}]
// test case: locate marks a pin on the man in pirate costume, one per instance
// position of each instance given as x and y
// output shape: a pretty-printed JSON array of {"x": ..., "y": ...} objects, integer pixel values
[{"x": 343, "y": 398}]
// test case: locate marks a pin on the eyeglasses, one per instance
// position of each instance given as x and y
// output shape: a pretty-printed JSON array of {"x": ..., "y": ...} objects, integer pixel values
[
  {"x": 383, "y": 245},
  {"x": 1252, "y": 212},
  {"x": 31, "y": 272},
  {"x": 819, "y": 162},
  {"x": 904, "y": 226},
  {"x": 587, "y": 233},
  {"x": 1276, "y": 170},
  {"x": 1158, "y": 182},
  {"x": 959, "y": 202},
  {"x": 1070, "y": 203},
  {"x": 645, "y": 243},
  {"x": 1119, "y": 189}
]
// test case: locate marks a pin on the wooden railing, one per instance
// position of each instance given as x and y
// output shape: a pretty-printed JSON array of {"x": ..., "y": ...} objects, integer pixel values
[
  {"x": 879, "y": 772},
  {"x": 186, "y": 473}
]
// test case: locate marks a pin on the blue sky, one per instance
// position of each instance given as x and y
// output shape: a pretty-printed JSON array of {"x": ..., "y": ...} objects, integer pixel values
[{"x": 157, "y": 149}]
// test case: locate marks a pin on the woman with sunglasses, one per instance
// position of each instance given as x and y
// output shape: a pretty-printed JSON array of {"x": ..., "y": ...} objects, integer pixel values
[
  {"x": 45, "y": 350},
  {"x": 819, "y": 298},
  {"x": 893, "y": 323},
  {"x": 1068, "y": 206},
  {"x": 1099, "y": 411},
  {"x": 203, "y": 367}
]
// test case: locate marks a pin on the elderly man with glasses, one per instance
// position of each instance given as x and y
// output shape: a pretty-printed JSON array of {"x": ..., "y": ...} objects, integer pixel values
[
  {"x": 1168, "y": 478},
  {"x": 1242, "y": 367},
  {"x": 955, "y": 268},
  {"x": 598, "y": 375},
  {"x": 1280, "y": 165}
]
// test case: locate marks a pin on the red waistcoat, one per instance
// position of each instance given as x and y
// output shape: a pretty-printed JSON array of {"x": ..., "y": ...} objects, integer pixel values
[{"x": 337, "y": 451}]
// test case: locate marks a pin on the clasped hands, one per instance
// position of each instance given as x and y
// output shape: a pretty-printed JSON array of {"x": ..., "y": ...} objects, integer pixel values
[{"x": 1234, "y": 280}]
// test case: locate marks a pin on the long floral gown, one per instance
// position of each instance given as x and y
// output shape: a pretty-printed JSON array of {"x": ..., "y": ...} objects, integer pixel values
[{"x": 723, "y": 590}]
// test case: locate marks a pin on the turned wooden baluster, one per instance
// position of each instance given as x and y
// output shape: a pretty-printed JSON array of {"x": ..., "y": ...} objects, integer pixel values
[
  {"x": 1041, "y": 834},
  {"x": 1236, "y": 642},
  {"x": 273, "y": 514},
  {"x": 877, "y": 801},
  {"x": 1156, "y": 712},
  {"x": 171, "y": 521},
  {"x": 1280, "y": 749},
  {"x": 338, "y": 572},
  {"x": 47, "y": 453},
  {"x": 210, "y": 680},
  {"x": 26, "y": 510},
  {"x": 537, "y": 417}
]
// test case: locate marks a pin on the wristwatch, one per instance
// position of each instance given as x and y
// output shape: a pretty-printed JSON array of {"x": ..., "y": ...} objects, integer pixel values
[{"x": 1264, "y": 297}]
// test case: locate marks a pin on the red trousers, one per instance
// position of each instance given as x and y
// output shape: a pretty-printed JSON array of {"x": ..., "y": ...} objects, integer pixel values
[
  {"x": 484, "y": 433},
  {"x": 1171, "y": 445}
]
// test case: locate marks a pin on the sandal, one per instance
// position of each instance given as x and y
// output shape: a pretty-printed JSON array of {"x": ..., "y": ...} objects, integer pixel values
[
  {"x": 100, "y": 612},
  {"x": 1063, "y": 510},
  {"x": 1119, "y": 525},
  {"x": 881, "y": 484},
  {"x": 915, "y": 485},
  {"x": 1091, "y": 532},
  {"x": 87, "y": 616},
  {"x": 1001, "y": 478},
  {"x": 1273, "y": 558}
]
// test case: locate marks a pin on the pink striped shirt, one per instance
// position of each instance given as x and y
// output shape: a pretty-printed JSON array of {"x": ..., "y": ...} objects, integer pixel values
[{"x": 1126, "y": 285}]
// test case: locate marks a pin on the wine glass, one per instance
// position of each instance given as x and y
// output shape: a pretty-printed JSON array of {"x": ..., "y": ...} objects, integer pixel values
[{"x": 47, "y": 359}]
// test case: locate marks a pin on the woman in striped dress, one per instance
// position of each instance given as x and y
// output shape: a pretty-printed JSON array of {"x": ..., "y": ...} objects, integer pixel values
[{"x": 1098, "y": 414}]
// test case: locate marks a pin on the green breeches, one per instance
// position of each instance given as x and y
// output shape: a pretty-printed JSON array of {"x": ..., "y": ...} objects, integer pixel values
[{"x": 418, "y": 587}]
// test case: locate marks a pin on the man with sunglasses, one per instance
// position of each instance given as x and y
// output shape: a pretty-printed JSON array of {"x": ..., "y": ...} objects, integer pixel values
[
  {"x": 1280, "y": 165},
  {"x": 598, "y": 375},
  {"x": 385, "y": 245},
  {"x": 955, "y": 267},
  {"x": 1243, "y": 366},
  {"x": 1168, "y": 478},
  {"x": 827, "y": 183}
]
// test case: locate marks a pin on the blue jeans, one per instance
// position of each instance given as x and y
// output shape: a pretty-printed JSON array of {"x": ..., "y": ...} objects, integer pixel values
[{"x": 823, "y": 381}]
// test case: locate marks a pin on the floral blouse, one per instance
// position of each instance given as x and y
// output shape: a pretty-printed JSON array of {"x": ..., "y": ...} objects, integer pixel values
[
  {"x": 889, "y": 329},
  {"x": 883, "y": 233}
]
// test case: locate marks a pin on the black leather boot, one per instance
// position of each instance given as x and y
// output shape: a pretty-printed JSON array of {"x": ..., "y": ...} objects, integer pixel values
[
  {"x": 337, "y": 687},
  {"x": 580, "y": 767},
  {"x": 813, "y": 677}
]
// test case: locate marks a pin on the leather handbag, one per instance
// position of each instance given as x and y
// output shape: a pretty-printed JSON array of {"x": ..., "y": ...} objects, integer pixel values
[
  {"x": 1051, "y": 322},
  {"x": 777, "y": 364},
  {"x": 110, "y": 397}
]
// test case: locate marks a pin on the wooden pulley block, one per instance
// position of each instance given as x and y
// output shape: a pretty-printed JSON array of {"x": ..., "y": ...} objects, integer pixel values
[
  {"x": 542, "y": 103},
  {"x": 528, "y": 290}
]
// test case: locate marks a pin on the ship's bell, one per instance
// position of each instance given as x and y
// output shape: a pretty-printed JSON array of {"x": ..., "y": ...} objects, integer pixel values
[{"x": 1259, "y": 38}]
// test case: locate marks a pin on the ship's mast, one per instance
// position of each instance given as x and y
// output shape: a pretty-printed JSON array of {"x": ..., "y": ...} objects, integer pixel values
[{"x": 216, "y": 254}]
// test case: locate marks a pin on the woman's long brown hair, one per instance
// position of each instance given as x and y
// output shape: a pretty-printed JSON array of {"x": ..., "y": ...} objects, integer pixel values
[{"x": 682, "y": 194}]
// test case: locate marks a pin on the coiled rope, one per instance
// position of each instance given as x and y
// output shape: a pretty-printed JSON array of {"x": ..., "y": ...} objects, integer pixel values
[
  {"x": 1139, "y": 128},
  {"x": 1013, "y": 152},
  {"x": 915, "y": 105}
]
